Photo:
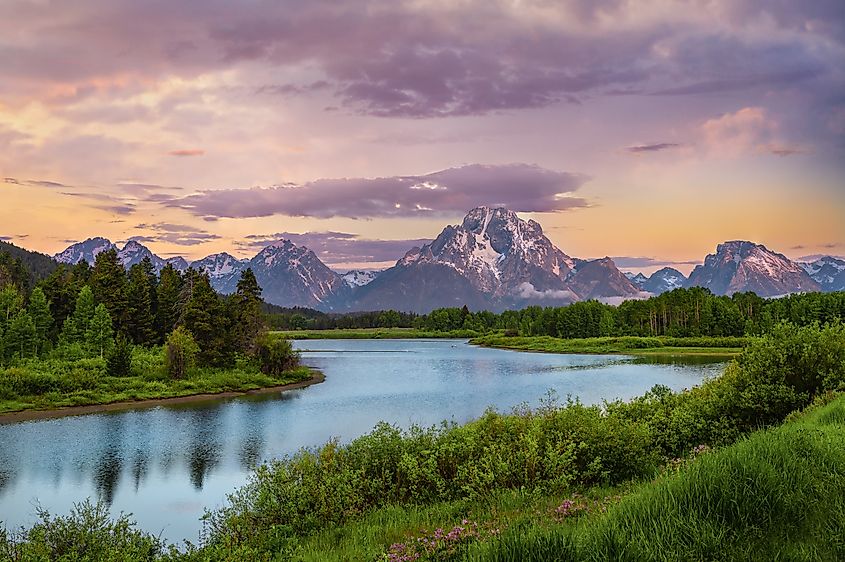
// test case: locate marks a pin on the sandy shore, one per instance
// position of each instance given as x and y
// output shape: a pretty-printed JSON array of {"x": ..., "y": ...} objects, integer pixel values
[{"x": 28, "y": 415}]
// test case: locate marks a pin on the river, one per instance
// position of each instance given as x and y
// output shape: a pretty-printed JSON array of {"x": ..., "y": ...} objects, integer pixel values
[{"x": 167, "y": 464}]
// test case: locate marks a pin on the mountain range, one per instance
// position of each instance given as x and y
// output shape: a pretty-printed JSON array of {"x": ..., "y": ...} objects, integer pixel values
[{"x": 493, "y": 260}]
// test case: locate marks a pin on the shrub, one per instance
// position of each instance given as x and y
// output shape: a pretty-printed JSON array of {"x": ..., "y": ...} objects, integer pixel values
[
  {"x": 275, "y": 355},
  {"x": 119, "y": 360},
  {"x": 180, "y": 352}
]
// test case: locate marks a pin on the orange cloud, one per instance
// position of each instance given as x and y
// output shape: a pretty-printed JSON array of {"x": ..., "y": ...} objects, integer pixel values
[{"x": 187, "y": 152}]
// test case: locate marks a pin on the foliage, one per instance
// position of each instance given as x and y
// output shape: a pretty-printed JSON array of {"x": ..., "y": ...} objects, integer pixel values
[
  {"x": 87, "y": 534},
  {"x": 119, "y": 360},
  {"x": 99, "y": 335},
  {"x": 275, "y": 355},
  {"x": 180, "y": 352},
  {"x": 109, "y": 286}
]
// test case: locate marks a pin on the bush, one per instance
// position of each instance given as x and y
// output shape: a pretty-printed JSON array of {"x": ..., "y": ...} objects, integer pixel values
[
  {"x": 180, "y": 352},
  {"x": 275, "y": 355},
  {"x": 88, "y": 534},
  {"x": 119, "y": 360}
]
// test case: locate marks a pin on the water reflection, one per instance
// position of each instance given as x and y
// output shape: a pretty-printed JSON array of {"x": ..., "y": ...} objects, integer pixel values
[{"x": 166, "y": 465}]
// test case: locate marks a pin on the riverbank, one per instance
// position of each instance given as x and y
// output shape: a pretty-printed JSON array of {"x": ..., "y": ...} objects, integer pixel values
[
  {"x": 121, "y": 393},
  {"x": 628, "y": 345},
  {"x": 374, "y": 334}
]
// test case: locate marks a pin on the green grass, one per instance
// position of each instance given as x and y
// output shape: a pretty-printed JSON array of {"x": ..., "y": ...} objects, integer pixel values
[
  {"x": 632, "y": 345},
  {"x": 776, "y": 495},
  {"x": 57, "y": 382},
  {"x": 372, "y": 333}
]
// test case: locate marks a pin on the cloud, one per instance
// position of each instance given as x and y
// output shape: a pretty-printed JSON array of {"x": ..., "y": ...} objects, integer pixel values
[
  {"x": 641, "y": 261},
  {"x": 526, "y": 290},
  {"x": 520, "y": 187},
  {"x": 337, "y": 247},
  {"x": 402, "y": 58},
  {"x": 655, "y": 147},
  {"x": 34, "y": 183},
  {"x": 187, "y": 152},
  {"x": 750, "y": 130},
  {"x": 180, "y": 234}
]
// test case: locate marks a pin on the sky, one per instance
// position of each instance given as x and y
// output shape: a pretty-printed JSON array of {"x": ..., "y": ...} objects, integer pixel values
[{"x": 647, "y": 131}]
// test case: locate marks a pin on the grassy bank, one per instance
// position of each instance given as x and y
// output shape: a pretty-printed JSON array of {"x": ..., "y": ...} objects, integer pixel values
[
  {"x": 777, "y": 495},
  {"x": 374, "y": 333},
  {"x": 65, "y": 382},
  {"x": 632, "y": 345}
]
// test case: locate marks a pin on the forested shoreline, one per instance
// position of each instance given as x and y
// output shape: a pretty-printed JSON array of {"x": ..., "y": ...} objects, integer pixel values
[{"x": 93, "y": 335}]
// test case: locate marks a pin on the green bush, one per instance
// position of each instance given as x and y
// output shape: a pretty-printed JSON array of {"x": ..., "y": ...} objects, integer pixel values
[
  {"x": 275, "y": 355},
  {"x": 180, "y": 353},
  {"x": 119, "y": 359}
]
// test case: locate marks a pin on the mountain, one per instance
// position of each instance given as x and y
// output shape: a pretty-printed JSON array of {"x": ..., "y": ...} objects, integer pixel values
[
  {"x": 292, "y": 275},
  {"x": 178, "y": 262},
  {"x": 739, "y": 266},
  {"x": 359, "y": 277},
  {"x": 600, "y": 279},
  {"x": 223, "y": 271},
  {"x": 84, "y": 251},
  {"x": 663, "y": 280},
  {"x": 828, "y": 272},
  {"x": 134, "y": 252},
  {"x": 495, "y": 260},
  {"x": 637, "y": 279}
]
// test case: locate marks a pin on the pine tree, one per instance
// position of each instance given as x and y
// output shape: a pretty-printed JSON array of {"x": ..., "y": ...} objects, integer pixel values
[
  {"x": 99, "y": 336},
  {"x": 167, "y": 313},
  {"x": 39, "y": 311},
  {"x": 140, "y": 323},
  {"x": 248, "y": 319},
  {"x": 205, "y": 318},
  {"x": 119, "y": 361},
  {"x": 109, "y": 285},
  {"x": 76, "y": 325},
  {"x": 61, "y": 289}
]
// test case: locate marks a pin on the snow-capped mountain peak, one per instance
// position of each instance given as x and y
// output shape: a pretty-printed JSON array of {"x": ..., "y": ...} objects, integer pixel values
[
  {"x": 359, "y": 277},
  {"x": 739, "y": 265},
  {"x": 134, "y": 252},
  {"x": 827, "y": 271},
  {"x": 86, "y": 250}
]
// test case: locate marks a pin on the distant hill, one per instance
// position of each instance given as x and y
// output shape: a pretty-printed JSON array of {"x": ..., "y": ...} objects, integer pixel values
[{"x": 36, "y": 266}]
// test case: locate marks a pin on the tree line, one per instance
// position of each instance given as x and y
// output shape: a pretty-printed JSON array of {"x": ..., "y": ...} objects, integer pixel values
[{"x": 679, "y": 313}]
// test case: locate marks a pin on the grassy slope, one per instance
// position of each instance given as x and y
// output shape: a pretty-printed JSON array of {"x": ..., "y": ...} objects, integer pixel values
[
  {"x": 779, "y": 494},
  {"x": 776, "y": 495},
  {"x": 628, "y": 344}
]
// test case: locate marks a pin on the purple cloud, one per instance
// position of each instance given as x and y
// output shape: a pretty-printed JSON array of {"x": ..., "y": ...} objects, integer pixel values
[
  {"x": 655, "y": 147},
  {"x": 406, "y": 59},
  {"x": 180, "y": 234},
  {"x": 520, "y": 187},
  {"x": 337, "y": 247}
]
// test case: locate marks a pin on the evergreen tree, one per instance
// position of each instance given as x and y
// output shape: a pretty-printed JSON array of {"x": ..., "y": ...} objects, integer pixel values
[
  {"x": 76, "y": 325},
  {"x": 119, "y": 360},
  {"x": 39, "y": 311},
  {"x": 169, "y": 288},
  {"x": 140, "y": 322},
  {"x": 110, "y": 287},
  {"x": 99, "y": 335},
  {"x": 61, "y": 289},
  {"x": 248, "y": 319},
  {"x": 204, "y": 317},
  {"x": 20, "y": 336}
]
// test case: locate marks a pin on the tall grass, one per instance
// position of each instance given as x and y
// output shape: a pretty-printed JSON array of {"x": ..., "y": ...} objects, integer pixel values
[{"x": 776, "y": 495}]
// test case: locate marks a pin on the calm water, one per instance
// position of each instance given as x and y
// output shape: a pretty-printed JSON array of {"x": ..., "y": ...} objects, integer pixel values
[{"x": 166, "y": 465}]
